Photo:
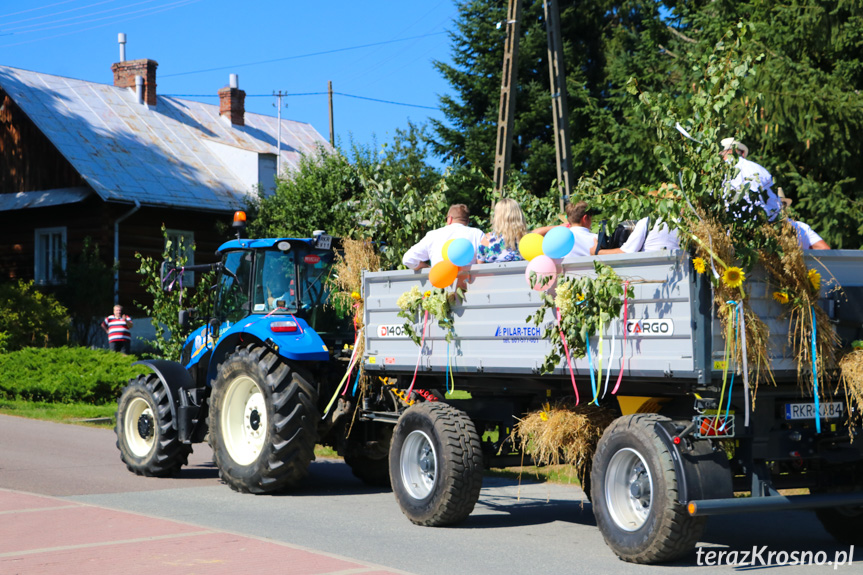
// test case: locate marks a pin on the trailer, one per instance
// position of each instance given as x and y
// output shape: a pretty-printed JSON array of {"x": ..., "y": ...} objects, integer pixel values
[{"x": 662, "y": 466}]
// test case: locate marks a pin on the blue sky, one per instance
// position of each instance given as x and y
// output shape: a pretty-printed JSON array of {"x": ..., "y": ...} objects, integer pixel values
[{"x": 375, "y": 49}]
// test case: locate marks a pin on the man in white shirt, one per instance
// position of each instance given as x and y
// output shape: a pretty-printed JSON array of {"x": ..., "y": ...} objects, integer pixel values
[
  {"x": 579, "y": 217},
  {"x": 659, "y": 237},
  {"x": 430, "y": 248},
  {"x": 809, "y": 240},
  {"x": 760, "y": 191}
]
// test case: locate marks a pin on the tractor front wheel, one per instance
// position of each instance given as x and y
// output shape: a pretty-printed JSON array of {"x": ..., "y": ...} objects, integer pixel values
[{"x": 145, "y": 430}]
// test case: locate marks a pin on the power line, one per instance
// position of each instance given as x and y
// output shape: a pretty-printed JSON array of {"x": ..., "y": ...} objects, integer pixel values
[
  {"x": 150, "y": 11},
  {"x": 309, "y": 94},
  {"x": 47, "y": 25},
  {"x": 60, "y": 12},
  {"x": 386, "y": 101},
  {"x": 36, "y": 9},
  {"x": 234, "y": 66}
]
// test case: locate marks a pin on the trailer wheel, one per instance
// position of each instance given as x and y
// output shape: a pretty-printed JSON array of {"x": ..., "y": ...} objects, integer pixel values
[
  {"x": 145, "y": 431},
  {"x": 845, "y": 524},
  {"x": 263, "y": 421},
  {"x": 435, "y": 464},
  {"x": 634, "y": 494},
  {"x": 368, "y": 458}
]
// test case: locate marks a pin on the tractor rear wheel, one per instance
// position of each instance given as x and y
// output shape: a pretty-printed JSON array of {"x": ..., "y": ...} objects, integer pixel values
[
  {"x": 263, "y": 421},
  {"x": 145, "y": 430}
]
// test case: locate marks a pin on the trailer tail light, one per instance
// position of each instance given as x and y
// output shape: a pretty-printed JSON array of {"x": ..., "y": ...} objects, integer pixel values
[{"x": 284, "y": 327}]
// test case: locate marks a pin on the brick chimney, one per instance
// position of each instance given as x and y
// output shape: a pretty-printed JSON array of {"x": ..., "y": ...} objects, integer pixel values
[
  {"x": 232, "y": 102},
  {"x": 125, "y": 72}
]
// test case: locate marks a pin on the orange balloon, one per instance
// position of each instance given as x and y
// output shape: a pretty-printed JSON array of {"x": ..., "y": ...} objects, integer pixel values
[{"x": 443, "y": 274}]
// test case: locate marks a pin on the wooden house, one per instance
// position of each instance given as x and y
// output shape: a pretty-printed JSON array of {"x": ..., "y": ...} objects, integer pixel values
[{"x": 115, "y": 162}]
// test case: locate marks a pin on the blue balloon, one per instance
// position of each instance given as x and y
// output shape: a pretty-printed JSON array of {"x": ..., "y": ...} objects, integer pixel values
[
  {"x": 558, "y": 242},
  {"x": 460, "y": 252}
]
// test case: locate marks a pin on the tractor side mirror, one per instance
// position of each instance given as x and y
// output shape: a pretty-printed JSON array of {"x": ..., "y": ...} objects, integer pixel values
[
  {"x": 214, "y": 328},
  {"x": 185, "y": 318}
]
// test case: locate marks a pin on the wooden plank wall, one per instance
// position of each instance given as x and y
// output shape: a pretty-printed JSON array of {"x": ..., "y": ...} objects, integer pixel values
[
  {"x": 28, "y": 160},
  {"x": 140, "y": 233}
]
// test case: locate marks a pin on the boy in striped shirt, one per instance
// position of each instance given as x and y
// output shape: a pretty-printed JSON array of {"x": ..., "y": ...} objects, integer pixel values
[{"x": 118, "y": 327}]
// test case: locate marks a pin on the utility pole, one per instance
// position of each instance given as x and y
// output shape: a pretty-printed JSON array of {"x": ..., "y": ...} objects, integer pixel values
[
  {"x": 279, "y": 95},
  {"x": 508, "y": 83},
  {"x": 332, "y": 132},
  {"x": 559, "y": 108}
]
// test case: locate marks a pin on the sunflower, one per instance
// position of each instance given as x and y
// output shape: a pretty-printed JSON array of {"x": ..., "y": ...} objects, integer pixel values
[
  {"x": 699, "y": 265},
  {"x": 815, "y": 280},
  {"x": 733, "y": 277},
  {"x": 781, "y": 297},
  {"x": 427, "y": 293},
  {"x": 356, "y": 296}
]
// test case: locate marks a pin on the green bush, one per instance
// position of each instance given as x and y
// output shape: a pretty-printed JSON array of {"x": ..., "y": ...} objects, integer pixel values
[
  {"x": 65, "y": 374},
  {"x": 30, "y": 317}
]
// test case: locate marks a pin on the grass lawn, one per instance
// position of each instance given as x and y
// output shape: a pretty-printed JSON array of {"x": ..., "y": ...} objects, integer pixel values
[{"x": 63, "y": 412}]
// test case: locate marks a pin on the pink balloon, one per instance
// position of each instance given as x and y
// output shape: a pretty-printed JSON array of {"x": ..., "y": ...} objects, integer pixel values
[{"x": 545, "y": 269}]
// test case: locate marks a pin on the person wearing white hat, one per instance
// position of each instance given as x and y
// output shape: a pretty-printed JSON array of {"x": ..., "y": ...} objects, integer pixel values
[
  {"x": 806, "y": 236},
  {"x": 748, "y": 172}
]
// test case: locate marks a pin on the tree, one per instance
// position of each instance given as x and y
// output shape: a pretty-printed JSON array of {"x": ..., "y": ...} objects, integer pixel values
[
  {"x": 329, "y": 190},
  {"x": 169, "y": 299},
  {"x": 590, "y": 30},
  {"x": 806, "y": 89},
  {"x": 313, "y": 196}
]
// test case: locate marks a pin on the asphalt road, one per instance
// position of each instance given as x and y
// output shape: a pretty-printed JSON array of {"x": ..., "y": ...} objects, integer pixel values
[{"x": 518, "y": 529}]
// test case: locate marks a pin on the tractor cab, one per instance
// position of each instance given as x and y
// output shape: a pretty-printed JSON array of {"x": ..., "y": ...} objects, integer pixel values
[{"x": 275, "y": 290}]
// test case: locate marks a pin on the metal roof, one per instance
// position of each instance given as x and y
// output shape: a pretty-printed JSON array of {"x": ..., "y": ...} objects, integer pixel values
[
  {"x": 157, "y": 155},
  {"x": 43, "y": 199}
]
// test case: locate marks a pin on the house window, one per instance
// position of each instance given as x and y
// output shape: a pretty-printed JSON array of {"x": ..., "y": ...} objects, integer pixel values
[
  {"x": 183, "y": 246},
  {"x": 50, "y": 255}
]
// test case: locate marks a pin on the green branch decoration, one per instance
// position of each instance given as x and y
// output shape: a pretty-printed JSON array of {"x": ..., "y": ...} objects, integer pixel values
[
  {"x": 436, "y": 301},
  {"x": 586, "y": 304}
]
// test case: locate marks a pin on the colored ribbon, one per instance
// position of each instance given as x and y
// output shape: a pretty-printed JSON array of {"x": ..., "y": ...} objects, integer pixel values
[
  {"x": 623, "y": 347},
  {"x": 568, "y": 358},
  {"x": 608, "y": 371},
  {"x": 815, "y": 372},
  {"x": 745, "y": 363},
  {"x": 590, "y": 368},
  {"x": 448, "y": 377},
  {"x": 736, "y": 327},
  {"x": 344, "y": 379},
  {"x": 599, "y": 359},
  {"x": 419, "y": 357}
]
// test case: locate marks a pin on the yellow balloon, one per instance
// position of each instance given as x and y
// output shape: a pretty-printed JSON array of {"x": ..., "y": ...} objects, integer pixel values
[
  {"x": 530, "y": 246},
  {"x": 445, "y": 250}
]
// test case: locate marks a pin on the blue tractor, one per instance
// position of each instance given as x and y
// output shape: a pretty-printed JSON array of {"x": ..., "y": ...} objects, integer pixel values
[{"x": 254, "y": 378}]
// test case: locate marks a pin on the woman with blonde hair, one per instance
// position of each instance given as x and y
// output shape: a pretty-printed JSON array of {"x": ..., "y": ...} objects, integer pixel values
[{"x": 507, "y": 228}]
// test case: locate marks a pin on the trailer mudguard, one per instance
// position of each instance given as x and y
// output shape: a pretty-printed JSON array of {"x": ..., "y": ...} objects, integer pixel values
[{"x": 702, "y": 473}]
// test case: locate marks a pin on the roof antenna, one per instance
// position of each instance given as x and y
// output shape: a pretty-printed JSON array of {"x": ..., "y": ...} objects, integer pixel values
[{"x": 121, "y": 39}]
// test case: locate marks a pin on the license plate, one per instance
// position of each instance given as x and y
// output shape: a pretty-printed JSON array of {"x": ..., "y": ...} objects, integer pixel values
[{"x": 807, "y": 410}]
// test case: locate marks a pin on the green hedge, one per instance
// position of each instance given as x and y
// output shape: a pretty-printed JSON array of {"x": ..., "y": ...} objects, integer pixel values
[{"x": 65, "y": 374}]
